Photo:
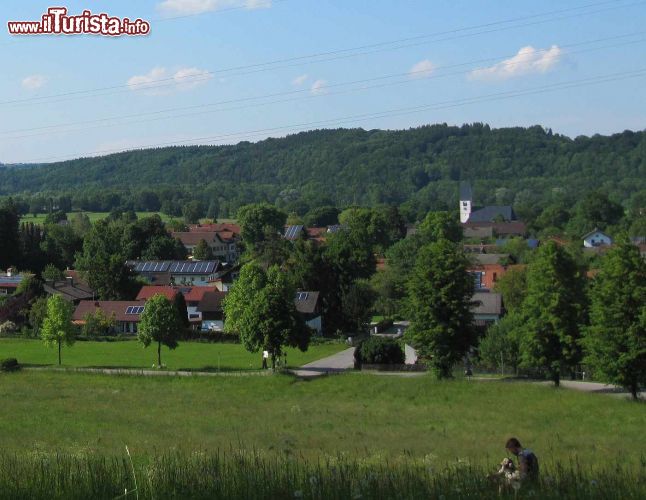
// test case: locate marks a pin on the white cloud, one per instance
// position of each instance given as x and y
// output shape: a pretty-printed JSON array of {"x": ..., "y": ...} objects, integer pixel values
[
  {"x": 33, "y": 82},
  {"x": 422, "y": 69},
  {"x": 188, "y": 78},
  {"x": 200, "y": 6},
  {"x": 528, "y": 60},
  {"x": 160, "y": 81},
  {"x": 319, "y": 87},
  {"x": 299, "y": 80}
]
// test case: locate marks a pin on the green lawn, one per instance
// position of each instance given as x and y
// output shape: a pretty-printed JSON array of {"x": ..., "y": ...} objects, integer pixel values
[
  {"x": 188, "y": 356},
  {"x": 361, "y": 415},
  {"x": 93, "y": 216}
]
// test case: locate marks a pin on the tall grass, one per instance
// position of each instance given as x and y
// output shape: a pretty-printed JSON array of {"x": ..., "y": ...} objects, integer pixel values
[{"x": 239, "y": 474}]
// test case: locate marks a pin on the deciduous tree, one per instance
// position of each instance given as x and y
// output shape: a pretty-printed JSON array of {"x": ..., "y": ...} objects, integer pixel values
[
  {"x": 440, "y": 291},
  {"x": 160, "y": 322},
  {"x": 615, "y": 341},
  {"x": 57, "y": 327},
  {"x": 553, "y": 312}
]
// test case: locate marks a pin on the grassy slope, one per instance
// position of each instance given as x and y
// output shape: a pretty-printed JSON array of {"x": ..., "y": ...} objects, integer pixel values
[
  {"x": 189, "y": 355},
  {"x": 356, "y": 413}
]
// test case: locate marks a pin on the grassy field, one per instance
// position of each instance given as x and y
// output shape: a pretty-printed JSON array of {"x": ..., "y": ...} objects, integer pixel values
[
  {"x": 94, "y": 216},
  {"x": 370, "y": 417},
  {"x": 131, "y": 354}
]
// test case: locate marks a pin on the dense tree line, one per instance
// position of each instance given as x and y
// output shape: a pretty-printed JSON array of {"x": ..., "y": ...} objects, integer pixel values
[{"x": 416, "y": 169}]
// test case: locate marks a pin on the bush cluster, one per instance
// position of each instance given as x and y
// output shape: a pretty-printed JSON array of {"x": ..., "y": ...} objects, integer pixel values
[
  {"x": 379, "y": 351},
  {"x": 9, "y": 365}
]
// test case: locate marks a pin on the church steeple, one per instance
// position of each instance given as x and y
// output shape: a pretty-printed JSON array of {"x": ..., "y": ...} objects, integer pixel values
[{"x": 466, "y": 200}]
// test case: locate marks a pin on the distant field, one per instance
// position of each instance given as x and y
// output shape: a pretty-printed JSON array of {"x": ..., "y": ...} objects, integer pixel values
[
  {"x": 188, "y": 356},
  {"x": 94, "y": 216},
  {"x": 357, "y": 415}
]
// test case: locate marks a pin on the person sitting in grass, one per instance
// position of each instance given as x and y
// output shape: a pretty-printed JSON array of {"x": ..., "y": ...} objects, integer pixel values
[{"x": 527, "y": 461}]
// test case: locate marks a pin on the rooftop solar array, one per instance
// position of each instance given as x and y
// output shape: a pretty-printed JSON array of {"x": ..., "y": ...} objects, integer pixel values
[
  {"x": 178, "y": 267},
  {"x": 151, "y": 267},
  {"x": 134, "y": 309},
  {"x": 188, "y": 267},
  {"x": 292, "y": 232}
]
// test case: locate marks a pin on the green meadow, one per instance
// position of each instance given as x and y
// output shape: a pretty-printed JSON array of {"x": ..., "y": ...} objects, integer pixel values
[
  {"x": 95, "y": 216},
  {"x": 353, "y": 415},
  {"x": 131, "y": 354}
]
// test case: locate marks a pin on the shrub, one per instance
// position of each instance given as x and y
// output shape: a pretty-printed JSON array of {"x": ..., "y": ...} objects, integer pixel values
[
  {"x": 379, "y": 351},
  {"x": 7, "y": 327},
  {"x": 9, "y": 365}
]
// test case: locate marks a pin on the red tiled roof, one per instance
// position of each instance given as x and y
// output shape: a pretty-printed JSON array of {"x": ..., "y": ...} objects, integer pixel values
[
  {"x": 198, "y": 228},
  {"x": 148, "y": 291},
  {"x": 195, "y": 293},
  {"x": 191, "y": 293},
  {"x": 193, "y": 238},
  {"x": 109, "y": 307}
]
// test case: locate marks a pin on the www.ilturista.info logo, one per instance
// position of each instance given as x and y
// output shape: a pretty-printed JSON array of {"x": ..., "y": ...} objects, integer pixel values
[{"x": 56, "y": 21}]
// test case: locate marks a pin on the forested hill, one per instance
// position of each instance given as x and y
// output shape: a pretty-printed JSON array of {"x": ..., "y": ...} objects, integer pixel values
[{"x": 416, "y": 167}]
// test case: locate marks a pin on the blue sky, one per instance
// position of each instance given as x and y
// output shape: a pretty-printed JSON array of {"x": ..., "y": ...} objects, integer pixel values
[{"x": 177, "y": 84}]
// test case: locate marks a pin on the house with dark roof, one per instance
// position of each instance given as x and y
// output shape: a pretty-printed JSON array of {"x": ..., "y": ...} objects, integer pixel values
[
  {"x": 212, "y": 311},
  {"x": 126, "y": 314},
  {"x": 308, "y": 306},
  {"x": 486, "y": 308},
  {"x": 70, "y": 289}
]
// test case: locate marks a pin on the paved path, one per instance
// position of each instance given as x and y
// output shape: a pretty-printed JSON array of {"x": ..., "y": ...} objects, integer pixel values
[
  {"x": 594, "y": 387},
  {"x": 337, "y": 363}
]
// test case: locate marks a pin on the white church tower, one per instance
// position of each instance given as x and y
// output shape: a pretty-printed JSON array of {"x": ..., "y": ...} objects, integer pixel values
[{"x": 466, "y": 199}]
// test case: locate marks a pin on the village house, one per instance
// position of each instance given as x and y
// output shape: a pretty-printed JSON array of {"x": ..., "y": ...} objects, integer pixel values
[
  {"x": 10, "y": 281},
  {"x": 487, "y": 268},
  {"x": 307, "y": 305},
  {"x": 596, "y": 238},
  {"x": 486, "y": 309},
  {"x": 126, "y": 314},
  {"x": 193, "y": 295},
  {"x": 182, "y": 272},
  {"x": 211, "y": 309},
  {"x": 223, "y": 244},
  {"x": 70, "y": 288}
]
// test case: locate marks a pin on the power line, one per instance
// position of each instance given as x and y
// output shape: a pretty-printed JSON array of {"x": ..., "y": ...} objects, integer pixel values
[
  {"x": 337, "y": 54},
  {"x": 46, "y": 129},
  {"x": 377, "y": 115}
]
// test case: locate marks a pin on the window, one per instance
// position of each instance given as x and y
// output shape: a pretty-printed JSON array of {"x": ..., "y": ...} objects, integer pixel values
[
  {"x": 477, "y": 279},
  {"x": 464, "y": 204}
]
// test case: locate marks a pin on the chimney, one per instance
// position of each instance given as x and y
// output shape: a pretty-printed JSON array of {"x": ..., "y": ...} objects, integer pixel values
[{"x": 70, "y": 280}]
